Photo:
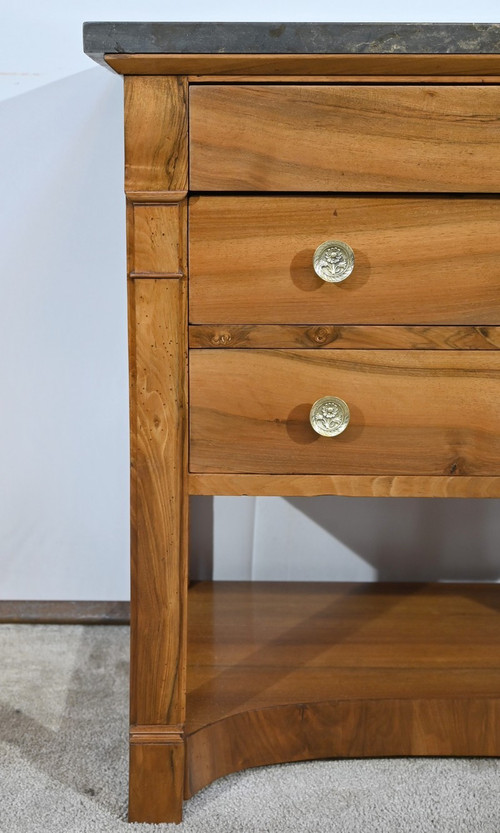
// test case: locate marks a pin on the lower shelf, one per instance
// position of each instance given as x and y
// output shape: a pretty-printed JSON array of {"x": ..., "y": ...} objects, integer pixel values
[{"x": 286, "y": 672}]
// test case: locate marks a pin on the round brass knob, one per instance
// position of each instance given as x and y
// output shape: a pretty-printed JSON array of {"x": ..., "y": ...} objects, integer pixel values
[
  {"x": 333, "y": 261},
  {"x": 329, "y": 416}
]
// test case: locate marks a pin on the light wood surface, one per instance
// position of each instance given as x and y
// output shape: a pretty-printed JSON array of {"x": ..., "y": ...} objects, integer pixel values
[
  {"x": 159, "y": 563},
  {"x": 343, "y": 338},
  {"x": 431, "y": 726},
  {"x": 159, "y": 540},
  {"x": 155, "y": 134},
  {"x": 418, "y": 260},
  {"x": 295, "y": 671},
  {"x": 470, "y": 80},
  {"x": 344, "y": 138},
  {"x": 433, "y": 66},
  {"x": 156, "y": 782},
  {"x": 156, "y": 197},
  {"x": 412, "y": 412},
  {"x": 157, "y": 734},
  {"x": 156, "y": 182},
  {"x": 309, "y": 485},
  {"x": 157, "y": 239},
  {"x": 277, "y": 672}
]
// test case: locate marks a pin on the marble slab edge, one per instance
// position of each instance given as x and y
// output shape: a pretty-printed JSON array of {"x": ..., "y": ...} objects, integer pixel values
[{"x": 101, "y": 38}]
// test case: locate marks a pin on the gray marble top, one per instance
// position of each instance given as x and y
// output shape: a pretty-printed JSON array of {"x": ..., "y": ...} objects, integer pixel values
[{"x": 292, "y": 38}]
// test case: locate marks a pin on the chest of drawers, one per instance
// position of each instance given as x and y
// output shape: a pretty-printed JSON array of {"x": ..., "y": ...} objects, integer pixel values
[{"x": 258, "y": 367}]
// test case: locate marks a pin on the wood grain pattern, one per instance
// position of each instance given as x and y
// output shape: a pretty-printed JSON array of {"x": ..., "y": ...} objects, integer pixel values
[
  {"x": 33, "y": 612},
  {"x": 158, "y": 243},
  {"x": 155, "y": 134},
  {"x": 251, "y": 260},
  {"x": 157, "y": 320},
  {"x": 412, "y": 412},
  {"x": 158, "y": 365},
  {"x": 291, "y": 336},
  {"x": 156, "y": 183},
  {"x": 345, "y": 79},
  {"x": 294, "y": 671},
  {"x": 156, "y": 782},
  {"x": 309, "y": 485},
  {"x": 368, "y": 65},
  {"x": 344, "y": 138},
  {"x": 343, "y": 729},
  {"x": 156, "y": 197},
  {"x": 157, "y": 734}
]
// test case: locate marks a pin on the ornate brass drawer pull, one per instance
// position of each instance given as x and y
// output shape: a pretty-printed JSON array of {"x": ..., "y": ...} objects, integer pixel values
[
  {"x": 333, "y": 261},
  {"x": 329, "y": 416}
]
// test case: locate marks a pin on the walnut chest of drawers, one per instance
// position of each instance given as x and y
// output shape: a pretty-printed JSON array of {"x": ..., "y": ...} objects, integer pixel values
[{"x": 263, "y": 362}]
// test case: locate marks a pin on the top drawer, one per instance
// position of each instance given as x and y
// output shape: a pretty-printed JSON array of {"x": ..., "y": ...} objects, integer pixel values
[{"x": 344, "y": 138}]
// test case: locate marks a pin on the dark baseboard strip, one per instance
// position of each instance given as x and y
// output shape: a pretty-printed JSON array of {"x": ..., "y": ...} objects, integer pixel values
[{"x": 64, "y": 613}]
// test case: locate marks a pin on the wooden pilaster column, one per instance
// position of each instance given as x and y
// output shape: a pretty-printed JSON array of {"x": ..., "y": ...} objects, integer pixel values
[{"x": 156, "y": 188}]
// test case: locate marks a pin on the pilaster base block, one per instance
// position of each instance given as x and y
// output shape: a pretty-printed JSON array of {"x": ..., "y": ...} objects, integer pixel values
[{"x": 156, "y": 780}]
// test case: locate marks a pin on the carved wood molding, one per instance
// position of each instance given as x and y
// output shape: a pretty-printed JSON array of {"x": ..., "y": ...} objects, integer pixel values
[{"x": 157, "y": 734}]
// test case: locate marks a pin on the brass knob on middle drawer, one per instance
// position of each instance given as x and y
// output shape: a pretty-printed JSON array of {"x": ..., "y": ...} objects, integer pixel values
[
  {"x": 329, "y": 416},
  {"x": 333, "y": 261}
]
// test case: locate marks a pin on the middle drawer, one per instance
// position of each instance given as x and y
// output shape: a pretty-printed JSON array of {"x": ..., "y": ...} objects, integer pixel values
[{"x": 417, "y": 260}]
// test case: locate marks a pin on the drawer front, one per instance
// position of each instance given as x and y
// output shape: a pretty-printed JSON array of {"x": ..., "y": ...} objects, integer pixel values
[
  {"x": 411, "y": 412},
  {"x": 418, "y": 260},
  {"x": 344, "y": 138}
]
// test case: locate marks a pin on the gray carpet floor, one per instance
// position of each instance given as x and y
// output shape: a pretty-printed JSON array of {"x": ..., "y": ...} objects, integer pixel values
[{"x": 63, "y": 760}]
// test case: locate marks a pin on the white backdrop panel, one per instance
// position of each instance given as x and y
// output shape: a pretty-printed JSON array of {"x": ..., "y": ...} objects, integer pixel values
[{"x": 63, "y": 421}]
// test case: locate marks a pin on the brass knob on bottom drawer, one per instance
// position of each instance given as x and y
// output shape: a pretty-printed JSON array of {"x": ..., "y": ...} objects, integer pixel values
[
  {"x": 329, "y": 416},
  {"x": 333, "y": 261}
]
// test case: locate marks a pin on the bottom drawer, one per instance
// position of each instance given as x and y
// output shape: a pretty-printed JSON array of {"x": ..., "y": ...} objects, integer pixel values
[{"x": 411, "y": 412}]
